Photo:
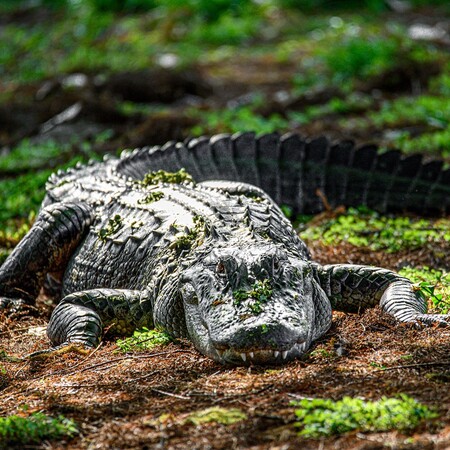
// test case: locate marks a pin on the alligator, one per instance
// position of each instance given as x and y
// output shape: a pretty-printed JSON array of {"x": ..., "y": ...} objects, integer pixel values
[{"x": 189, "y": 238}]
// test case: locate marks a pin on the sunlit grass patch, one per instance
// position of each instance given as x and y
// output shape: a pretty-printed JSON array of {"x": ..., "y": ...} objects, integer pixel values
[
  {"x": 143, "y": 339},
  {"x": 325, "y": 417},
  {"x": 34, "y": 429},
  {"x": 365, "y": 228}
]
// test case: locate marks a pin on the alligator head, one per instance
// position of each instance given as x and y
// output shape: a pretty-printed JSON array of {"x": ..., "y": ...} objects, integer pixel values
[{"x": 252, "y": 303}]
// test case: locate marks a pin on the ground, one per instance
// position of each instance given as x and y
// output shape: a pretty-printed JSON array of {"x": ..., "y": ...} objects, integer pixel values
[{"x": 93, "y": 83}]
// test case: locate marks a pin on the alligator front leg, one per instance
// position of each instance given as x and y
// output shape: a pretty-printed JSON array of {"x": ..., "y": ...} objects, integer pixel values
[
  {"x": 81, "y": 317},
  {"x": 353, "y": 288},
  {"x": 48, "y": 246}
]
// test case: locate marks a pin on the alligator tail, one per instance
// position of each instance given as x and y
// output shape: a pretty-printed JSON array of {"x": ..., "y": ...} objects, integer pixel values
[{"x": 309, "y": 175}]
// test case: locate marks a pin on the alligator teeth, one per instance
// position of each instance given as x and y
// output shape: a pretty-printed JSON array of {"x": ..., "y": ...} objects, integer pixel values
[
  {"x": 252, "y": 355},
  {"x": 244, "y": 357},
  {"x": 276, "y": 353},
  {"x": 284, "y": 354}
]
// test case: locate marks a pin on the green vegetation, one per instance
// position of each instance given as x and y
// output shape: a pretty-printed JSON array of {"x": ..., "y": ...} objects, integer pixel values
[
  {"x": 433, "y": 285},
  {"x": 161, "y": 176},
  {"x": 365, "y": 228},
  {"x": 34, "y": 429},
  {"x": 186, "y": 241},
  {"x": 22, "y": 195},
  {"x": 260, "y": 293},
  {"x": 113, "y": 226},
  {"x": 233, "y": 120},
  {"x": 152, "y": 197},
  {"x": 216, "y": 414},
  {"x": 325, "y": 417},
  {"x": 143, "y": 339}
]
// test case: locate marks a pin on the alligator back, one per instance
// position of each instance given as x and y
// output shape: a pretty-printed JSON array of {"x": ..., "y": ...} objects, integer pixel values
[{"x": 308, "y": 175}]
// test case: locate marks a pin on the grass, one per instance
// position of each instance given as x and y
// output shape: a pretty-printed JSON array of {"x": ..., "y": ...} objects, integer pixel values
[
  {"x": 325, "y": 417},
  {"x": 143, "y": 340},
  {"x": 365, "y": 228},
  {"x": 34, "y": 429}
]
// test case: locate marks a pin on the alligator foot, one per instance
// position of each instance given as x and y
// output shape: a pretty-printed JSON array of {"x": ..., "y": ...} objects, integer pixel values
[{"x": 437, "y": 320}]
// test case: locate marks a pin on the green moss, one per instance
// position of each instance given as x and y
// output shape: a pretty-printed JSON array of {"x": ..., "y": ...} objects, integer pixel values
[
  {"x": 34, "y": 429},
  {"x": 143, "y": 339},
  {"x": 215, "y": 414},
  {"x": 325, "y": 417},
  {"x": 113, "y": 226},
  {"x": 162, "y": 176},
  {"x": 152, "y": 197},
  {"x": 260, "y": 293},
  {"x": 193, "y": 238}
]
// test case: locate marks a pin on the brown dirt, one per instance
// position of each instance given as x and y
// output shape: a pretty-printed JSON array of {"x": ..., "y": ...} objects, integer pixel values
[{"x": 140, "y": 400}]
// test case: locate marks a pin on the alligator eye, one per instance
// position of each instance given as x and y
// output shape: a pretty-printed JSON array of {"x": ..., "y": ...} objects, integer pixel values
[{"x": 220, "y": 268}]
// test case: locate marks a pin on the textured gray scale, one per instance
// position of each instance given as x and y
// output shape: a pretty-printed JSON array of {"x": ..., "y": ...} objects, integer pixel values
[
  {"x": 204, "y": 156},
  {"x": 382, "y": 179},
  {"x": 188, "y": 161},
  {"x": 316, "y": 155},
  {"x": 408, "y": 170},
  {"x": 245, "y": 157},
  {"x": 223, "y": 153},
  {"x": 364, "y": 160},
  {"x": 340, "y": 157},
  {"x": 169, "y": 157},
  {"x": 268, "y": 162},
  {"x": 292, "y": 155}
]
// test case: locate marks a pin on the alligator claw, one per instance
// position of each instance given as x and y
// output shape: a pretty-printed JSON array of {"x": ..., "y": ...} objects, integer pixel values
[{"x": 67, "y": 347}]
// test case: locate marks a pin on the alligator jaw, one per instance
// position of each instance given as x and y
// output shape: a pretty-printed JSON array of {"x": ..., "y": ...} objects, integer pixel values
[{"x": 261, "y": 356}]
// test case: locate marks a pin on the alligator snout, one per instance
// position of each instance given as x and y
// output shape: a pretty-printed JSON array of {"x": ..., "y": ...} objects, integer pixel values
[{"x": 261, "y": 344}]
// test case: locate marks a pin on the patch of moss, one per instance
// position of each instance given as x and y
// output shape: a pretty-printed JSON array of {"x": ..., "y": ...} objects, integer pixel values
[
  {"x": 151, "y": 197},
  {"x": 260, "y": 293},
  {"x": 191, "y": 239},
  {"x": 162, "y": 176},
  {"x": 114, "y": 225},
  {"x": 215, "y": 414}
]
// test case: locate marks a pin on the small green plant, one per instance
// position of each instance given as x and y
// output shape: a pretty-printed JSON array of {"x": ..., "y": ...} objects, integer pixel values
[
  {"x": 162, "y": 176},
  {"x": 143, "y": 339},
  {"x": 432, "y": 285},
  {"x": 325, "y": 417},
  {"x": 360, "y": 57},
  {"x": 34, "y": 429},
  {"x": 260, "y": 293},
  {"x": 113, "y": 226}
]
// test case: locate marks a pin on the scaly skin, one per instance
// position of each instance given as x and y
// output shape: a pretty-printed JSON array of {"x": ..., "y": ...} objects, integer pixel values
[{"x": 214, "y": 262}]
